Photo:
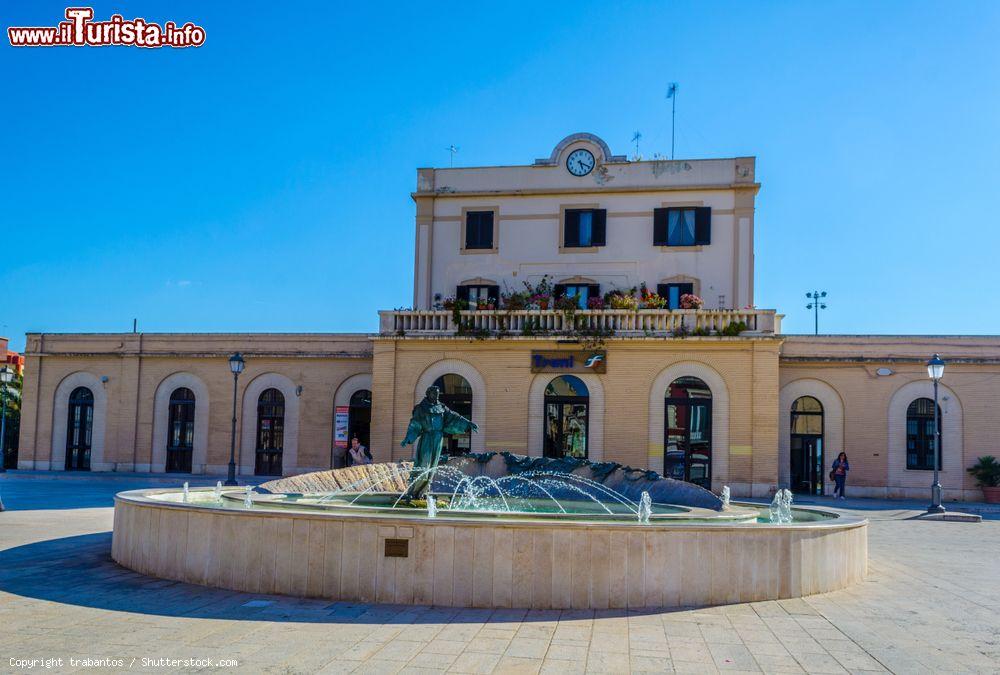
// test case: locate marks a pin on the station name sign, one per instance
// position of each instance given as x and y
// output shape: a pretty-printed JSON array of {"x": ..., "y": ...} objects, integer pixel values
[{"x": 569, "y": 362}]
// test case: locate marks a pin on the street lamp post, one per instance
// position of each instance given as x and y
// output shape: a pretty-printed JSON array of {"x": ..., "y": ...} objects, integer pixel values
[
  {"x": 935, "y": 369},
  {"x": 816, "y": 303},
  {"x": 236, "y": 365},
  {"x": 6, "y": 375}
]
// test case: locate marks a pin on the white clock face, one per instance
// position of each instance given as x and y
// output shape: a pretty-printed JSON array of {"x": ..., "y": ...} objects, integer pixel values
[{"x": 580, "y": 162}]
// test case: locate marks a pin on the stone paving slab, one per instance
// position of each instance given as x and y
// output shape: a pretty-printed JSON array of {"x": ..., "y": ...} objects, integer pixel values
[{"x": 931, "y": 604}]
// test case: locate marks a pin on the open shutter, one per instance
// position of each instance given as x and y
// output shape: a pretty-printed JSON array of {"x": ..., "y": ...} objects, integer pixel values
[
  {"x": 703, "y": 225},
  {"x": 663, "y": 290},
  {"x": 599, "y": 234},
  {"x": 572, "y": 226},
  {"x": 494, "y": 294},
  {"x": 660, "y": 227},
  {"x": 559, "y": 290},
  {"x": 593, "y": 290},
  {"x": 462, "y": 293}
]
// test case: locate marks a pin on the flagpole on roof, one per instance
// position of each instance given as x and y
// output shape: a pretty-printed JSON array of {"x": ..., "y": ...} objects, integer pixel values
[{"x": 672, "y": 95}]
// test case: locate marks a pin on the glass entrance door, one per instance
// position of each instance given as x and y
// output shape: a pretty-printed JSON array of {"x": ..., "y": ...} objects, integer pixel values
[
  {"x": 807, "y": 464},
  {"x": 688, "y": 446},
  {"x": 79, "y": 429},
  {"x": 565, "y": 429}
]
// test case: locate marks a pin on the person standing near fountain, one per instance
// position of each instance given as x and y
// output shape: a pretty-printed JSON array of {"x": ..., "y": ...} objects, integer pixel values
[
  {"x": 839, "y": 474},
  {"x": 430, "y": 421}
]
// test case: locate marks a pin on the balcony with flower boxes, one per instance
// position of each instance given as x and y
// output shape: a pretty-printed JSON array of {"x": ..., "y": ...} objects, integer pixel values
[{"x": 602, "y": 322}]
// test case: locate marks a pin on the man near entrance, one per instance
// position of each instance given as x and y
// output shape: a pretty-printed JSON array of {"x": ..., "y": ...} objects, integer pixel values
[{"x": 430, "y": 421}]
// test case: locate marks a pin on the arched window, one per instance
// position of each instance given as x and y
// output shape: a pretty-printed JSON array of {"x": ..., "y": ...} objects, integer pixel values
[
  {"x": 270, "y": 432},
  {"x": 687, "y": 447},
  {"x": 79, "y": 429},
  {"x": 456, "y": 393},
  {"x": 920, "y": 435},
  {"x": 806, "y": 446},
  {"x": 567, "y": 413},
  {"x": 180, "y": 431},
  {"x": 359, "y": 417}
]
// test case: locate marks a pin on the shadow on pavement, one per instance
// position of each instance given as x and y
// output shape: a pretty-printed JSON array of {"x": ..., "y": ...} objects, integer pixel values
[{"x": 79, "y": 571}]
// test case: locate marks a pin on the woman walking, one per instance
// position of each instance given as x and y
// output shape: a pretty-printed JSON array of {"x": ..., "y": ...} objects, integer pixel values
[{"x": 839, "y": 474}]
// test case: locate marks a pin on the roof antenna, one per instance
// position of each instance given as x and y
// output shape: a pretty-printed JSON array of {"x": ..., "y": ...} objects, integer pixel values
[
  {"x": 635, "y": 139},
  {"x": 135, "y": 325},
  {"x": 452, "y": 149}
]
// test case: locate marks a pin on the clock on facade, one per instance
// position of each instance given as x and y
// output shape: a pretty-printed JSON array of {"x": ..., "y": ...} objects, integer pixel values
[{"x": 580, "y": 162}]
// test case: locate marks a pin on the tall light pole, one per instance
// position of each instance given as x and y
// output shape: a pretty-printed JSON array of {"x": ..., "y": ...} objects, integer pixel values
[
  {"x": 6, "y": 375},
  {"x": 935, "y": 369},
  {"x": 817, "y": 304},
  {"x": 672, "y": 95},
  {"x": 236, "y": 365}
]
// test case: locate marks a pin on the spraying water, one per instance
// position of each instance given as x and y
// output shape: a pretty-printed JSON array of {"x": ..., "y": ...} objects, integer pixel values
[
  {"x": 725, "y": 497},
  {"x": 645, "y": 508},
  {"x": 432, "y": 506},
  {"x": 187, "y": 493},
  {"x": 248, "y": 499},
  {"x": 781, "y": 507},
  {"x": 218, "y": 491}
]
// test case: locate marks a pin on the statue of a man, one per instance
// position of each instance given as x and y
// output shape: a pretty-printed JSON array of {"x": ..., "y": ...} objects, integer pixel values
[{"x": 430, "y": 422}]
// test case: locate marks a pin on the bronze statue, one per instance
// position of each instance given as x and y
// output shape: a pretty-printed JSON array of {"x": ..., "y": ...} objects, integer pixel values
[{"x": 430, "y": 422}]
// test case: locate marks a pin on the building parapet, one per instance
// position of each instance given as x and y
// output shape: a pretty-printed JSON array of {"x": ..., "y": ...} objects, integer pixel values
[{"x": 608, "y": 322}]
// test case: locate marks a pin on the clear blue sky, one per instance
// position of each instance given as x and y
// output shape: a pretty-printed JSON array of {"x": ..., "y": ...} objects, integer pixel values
[{"x": 261, "y": 182}]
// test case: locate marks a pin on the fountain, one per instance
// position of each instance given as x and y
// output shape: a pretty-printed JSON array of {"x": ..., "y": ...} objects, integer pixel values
[
  {"x": 492, "y": 529},
  {"x": 218, "y": 491},
  {"x": 187, "y": 492}
]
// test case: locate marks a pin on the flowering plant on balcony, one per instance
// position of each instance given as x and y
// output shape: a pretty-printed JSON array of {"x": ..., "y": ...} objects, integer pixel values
[
  {"x": 567, "y": 303},
  {"x": 452, "y": 303},
  {"x": 691, "y": 301},
  {"x": 487, "y": 303},
  {"x": 539, "y": 295},
  {"x": 618, "y": 300},
  {"x": 514, "y": 301},
  {"x": 595, "y": 303},
  {"x": 649, "y": 300}
]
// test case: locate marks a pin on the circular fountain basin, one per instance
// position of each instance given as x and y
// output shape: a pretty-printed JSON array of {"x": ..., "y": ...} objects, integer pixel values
[{"x": 369, "y": 551}]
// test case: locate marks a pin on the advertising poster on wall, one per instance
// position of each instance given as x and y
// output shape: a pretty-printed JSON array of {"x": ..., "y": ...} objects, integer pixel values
[{"x": 340, "y": 419}]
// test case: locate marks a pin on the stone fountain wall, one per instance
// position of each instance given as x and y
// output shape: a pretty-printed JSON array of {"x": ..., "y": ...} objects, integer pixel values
[{"x": 459, "y": 562}]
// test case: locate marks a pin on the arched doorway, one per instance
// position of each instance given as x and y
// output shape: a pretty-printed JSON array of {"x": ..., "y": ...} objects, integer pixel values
[
  {"x": 270, "y": 432},
  {"x": 79, "y": 429},
  {"x": 806, "y": 447},
  {"x": 687, "y": 446},
  {"x": 180, "y": 431},
  {"x": 567, "y": 416},
  {"x": 456, "y": 393},
  {"x": 359, "y": 417}
]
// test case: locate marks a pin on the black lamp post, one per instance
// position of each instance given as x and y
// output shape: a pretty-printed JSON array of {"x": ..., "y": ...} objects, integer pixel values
[
  {"x": 236, "y": 364},
  {"x": 935, "y": 369},
  {"x": 6, "y": 375}
]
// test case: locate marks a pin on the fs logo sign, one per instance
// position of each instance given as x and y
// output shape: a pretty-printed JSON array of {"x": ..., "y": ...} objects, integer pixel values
[{"x": 569, "y": 362}]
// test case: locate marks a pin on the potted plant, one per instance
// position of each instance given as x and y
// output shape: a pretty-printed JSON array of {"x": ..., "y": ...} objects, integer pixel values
[
  {"x": 595, "y": 303},
  {"x": 987, "y": 474},
  {"x": 691, "y": 301}
]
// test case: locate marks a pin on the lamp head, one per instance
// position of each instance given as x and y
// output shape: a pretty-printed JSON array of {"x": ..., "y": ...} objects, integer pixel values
[
  {"x": 935, "y": 368},
  {"x": 6, "y": 374},
  {"x": 236, "y": 363}
]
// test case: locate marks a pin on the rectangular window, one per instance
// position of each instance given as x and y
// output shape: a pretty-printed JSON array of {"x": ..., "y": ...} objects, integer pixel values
[
  {"x": 673, "y": 293},
  {"x": 478, "y": 294},
  {"x": 582, "y": 292},
  {"x": 682, "y": 226},
  {"x": 585, "y": 228},
  {"x": 479, "y": 229}
]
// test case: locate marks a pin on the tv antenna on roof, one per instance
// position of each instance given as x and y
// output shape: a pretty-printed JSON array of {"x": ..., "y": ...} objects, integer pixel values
[
  {"x": 635, "y": 139},
  {"x": 672, "y": 95},
  {"x": 452, "y": 150}
]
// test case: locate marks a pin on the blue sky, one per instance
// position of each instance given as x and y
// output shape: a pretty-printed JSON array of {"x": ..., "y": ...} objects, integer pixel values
[{"x": 261, "y": 182}]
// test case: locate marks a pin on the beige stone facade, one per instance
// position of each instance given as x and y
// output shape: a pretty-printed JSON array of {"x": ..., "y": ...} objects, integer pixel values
[{"x": 864, "y": 384}]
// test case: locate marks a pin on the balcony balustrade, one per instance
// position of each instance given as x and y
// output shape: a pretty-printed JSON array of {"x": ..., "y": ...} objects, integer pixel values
[{"x": 608, "y": 322}]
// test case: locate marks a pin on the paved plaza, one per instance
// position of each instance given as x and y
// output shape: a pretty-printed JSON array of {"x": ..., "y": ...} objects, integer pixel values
[{"x": 930, "y": 604}]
